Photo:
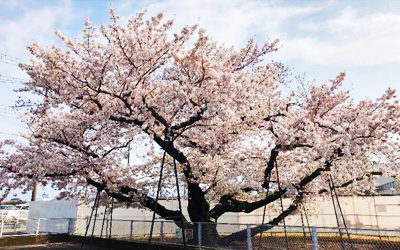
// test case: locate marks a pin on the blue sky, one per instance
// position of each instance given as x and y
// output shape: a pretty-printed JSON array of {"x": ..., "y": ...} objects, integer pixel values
[{"x": 321, "y": 38}]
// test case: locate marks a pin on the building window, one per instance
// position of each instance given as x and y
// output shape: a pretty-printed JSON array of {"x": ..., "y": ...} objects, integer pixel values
[{"x": 386, "y": 186}]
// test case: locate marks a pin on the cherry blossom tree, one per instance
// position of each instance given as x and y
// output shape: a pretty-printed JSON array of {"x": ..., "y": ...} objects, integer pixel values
[{"x": 219, "y": 112}]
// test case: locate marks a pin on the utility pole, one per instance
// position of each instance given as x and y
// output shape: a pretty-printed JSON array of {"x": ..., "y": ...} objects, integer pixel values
[
  {"x": 34, "y": 191},
  {"x": 129, "y": 152}
]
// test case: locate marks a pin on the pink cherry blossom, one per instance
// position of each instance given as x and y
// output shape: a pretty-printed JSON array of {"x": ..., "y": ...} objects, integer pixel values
[{"x": 218, "y": 111}]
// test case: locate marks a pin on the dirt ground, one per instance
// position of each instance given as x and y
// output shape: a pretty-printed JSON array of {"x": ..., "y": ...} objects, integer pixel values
[
  {"x": 53, "y": 246},
  {"x": 267, "y": 243}
]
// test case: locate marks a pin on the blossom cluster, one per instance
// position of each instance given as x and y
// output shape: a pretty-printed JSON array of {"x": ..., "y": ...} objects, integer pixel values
[{"x": 218, "y": 111}]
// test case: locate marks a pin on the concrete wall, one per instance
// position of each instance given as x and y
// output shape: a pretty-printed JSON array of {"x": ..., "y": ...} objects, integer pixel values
[
  {"x": 54, "y": 209},
  {"x": 366, "y": 212},
  {"x": 144, "y": 214}
]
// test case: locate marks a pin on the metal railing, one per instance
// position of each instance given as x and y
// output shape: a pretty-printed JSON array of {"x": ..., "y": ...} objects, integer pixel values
[
  {"x": 246, "y": 236},
  {"x": 213, "y": 235},
  {"x": 12, "y": 227}
]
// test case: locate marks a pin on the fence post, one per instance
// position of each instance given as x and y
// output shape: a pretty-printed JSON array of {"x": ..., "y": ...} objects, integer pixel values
[
  {"x": 106, "y": 228},
  {"x": 249, "y": 246},
  {"x": 314, "y": 238},
  {"x": 131, "y": 232},
  {"x": 71, "y": 224},
  {"x": 199, "y": 234},
  {"x": 162, "y": 232},
  {"x": 2, "y": 223},
  {"x": 38, "y": 227}
]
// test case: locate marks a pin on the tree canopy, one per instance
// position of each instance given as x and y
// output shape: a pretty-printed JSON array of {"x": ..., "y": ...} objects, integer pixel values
[{"x": 219, "y": 111}]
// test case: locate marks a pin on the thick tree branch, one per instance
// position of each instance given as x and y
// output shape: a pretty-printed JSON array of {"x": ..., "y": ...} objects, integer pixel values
[
  {"x": 228, "y": 203},
  {"x": 273, "y": 158},
  {"x": 198, "y": 206},
  {"x": 156, "y": 115},
  {"x": 114, "y": 148},
  {"x": 348, "y": 183},
  {"x": 242, "y": 235},
  {"x": 327, "y": 127},
  {"x": 77, "y": 148},
  {"x": 124, "y": 195},
  {"x": 191, "y": 120},
  {"x": 271, "y": 164},
  {"x": 126, "y": 120},
  {"x": 269, "y": 118},
  {"x": 47, "y": 175}
]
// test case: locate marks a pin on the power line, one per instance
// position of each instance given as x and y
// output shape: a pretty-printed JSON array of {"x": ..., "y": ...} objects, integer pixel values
[
  {"x": 2, "y": 106},
  {"x": 5, "y": 107},
  {"x": 11, "y": 81},
  {"x": 10, "y": 63},
  {"x": 4, "y": 58},
  {"x": 6, "y": 110},
  {"x": 4, "y": 133},
  {"x": 7, "y": 116},
  {"x": 11, "y": 111},
  {"x": 8, "y": 113},
  {"x": 13, "y": 78},
  {"x": 11, "y": 57}
]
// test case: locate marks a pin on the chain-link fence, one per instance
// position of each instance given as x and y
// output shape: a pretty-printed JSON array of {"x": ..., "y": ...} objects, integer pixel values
[
  {"x": 212, "y": 235},
  {"x": 243, "y": 236},
  {"x": 357, "y": 238},
  {"x": 12, "y": 227}
]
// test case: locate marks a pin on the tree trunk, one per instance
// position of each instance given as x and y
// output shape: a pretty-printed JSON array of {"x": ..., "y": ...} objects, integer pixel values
[
  {"x": 199, "y": 212},
  {"x": 209, "y": 234}
]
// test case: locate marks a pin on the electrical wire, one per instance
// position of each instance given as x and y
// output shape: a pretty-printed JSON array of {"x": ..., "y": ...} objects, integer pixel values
[
  {"x": 10, "y": 60},
  {"x": 4, "y": 133},
  {"x": 9, "y": 63},
  {"x": 13, "y": 78},
  {"x": 9, "y": 116},
  {"x": 13, "y": 58}
]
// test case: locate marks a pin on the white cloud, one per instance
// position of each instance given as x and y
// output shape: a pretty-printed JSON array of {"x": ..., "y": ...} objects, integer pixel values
[
  {"x": 348, "y": 40},
  {"x": 12, "y": 4},
  {"x": 230, "y": 22},
  {"x": 23, "y": 22},
  {"x": 35, "y": 24},
  {"x": 309, "y": 26}
]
